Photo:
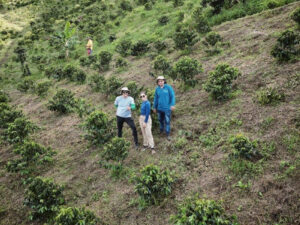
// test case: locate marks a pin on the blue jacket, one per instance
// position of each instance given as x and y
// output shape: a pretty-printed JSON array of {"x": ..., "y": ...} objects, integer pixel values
[
  {"x": 145, "y": 110},
  {"x": 164, "y": 98}
]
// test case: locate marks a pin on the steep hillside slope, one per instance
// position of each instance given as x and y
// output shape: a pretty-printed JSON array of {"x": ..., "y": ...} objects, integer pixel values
[{"x": 265, "y": 192}]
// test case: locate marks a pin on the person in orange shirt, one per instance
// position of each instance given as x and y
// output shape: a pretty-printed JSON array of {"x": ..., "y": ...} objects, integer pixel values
[{"x": 89, "y": 46}]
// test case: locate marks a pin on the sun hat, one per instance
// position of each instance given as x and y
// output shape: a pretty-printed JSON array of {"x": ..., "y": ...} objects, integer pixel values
[
  {"x": 125, "y": 89},
  {"x": 160, "y": 78}
]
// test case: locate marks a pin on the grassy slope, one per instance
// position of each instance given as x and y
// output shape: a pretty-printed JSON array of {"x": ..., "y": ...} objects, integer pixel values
[{"x": 199, "y": 169}]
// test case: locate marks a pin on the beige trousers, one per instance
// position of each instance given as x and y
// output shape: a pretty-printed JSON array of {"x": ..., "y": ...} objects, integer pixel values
[{"x": 147, "y": 133}]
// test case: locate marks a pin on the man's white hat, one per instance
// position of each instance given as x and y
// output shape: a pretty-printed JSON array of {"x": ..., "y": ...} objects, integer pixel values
[
  {"x": 160, "y": 78},
  {"x": 125, "y": 89}
]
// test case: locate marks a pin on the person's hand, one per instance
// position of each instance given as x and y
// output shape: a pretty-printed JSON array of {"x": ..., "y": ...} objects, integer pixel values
[
  {"x": 172, "y": 108},
  {"x": 154, "y": 110},
  {"x": 144, "y": 125},
  {"x": 128, "y": 107}
]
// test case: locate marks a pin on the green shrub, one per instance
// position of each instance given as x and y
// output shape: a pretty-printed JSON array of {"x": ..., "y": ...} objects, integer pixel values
[
  {"x": 42, "y": 88},
  {"x": 75, "y": 216},
  {"x": 18, "y": 130},
  {"x": 184, "y": 38},
  {"x": 273, "y": 4},
  {"x": 123, "y": 47},
  {"x": 287, "y": 46},
  {"x": 134, "y": 89},
  {"x": 269, "y": 96},
  {"x": 26, "y": 84},
  {"x": 73, "y": 73},
  {"x": 3, "y": 97},
  {"x": 186, "y": 69},
  {"x": 112, "y": 86},
  {"x": 139, "y": 48},
  {"x": 177, "y": 3},
  {"x": 63, "y": 102},
  {"x": 163, "y": 20},
  {"x": 200, "y": 23},
  {"x": 148, "y": 6},
  {"x": 104, "y": 60},
  {"x": 44, "y": 197},
  {"x": 153, "y": 185},
  {"x": 55, "y": 72},
  {"x": 87, "y": 61},
  {"x": 125, "y": 5},
  {"x": 244, "y": 148},
  {"x": 216, "y": 4},
  {"x": 212, "y": 38},
  {"x": 195, "y": 211},
  {"x": 121, "y": 62},
  {"x": 99, "y": 127},
  {"x": 116, "y": 149},
  {"x": 219, "y": 83},
  {"x": 8, "y": 115},
  {"x": 296, "y": 16},
  {"x": 98, "y": 83},
  {"x": 160, "y": 45},
  {"x": 161, "y": 63}
]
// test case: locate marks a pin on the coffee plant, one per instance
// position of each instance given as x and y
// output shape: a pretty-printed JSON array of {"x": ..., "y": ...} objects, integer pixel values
[
  {"x": 123, "y": 47},
  {"x": 42, "y": 88},
  {"x": 219, "y": 83},
  {"x": 98, "y": 83},
  {"x": 104, "y": 60},
  {"x": 87, "y": 61},
  {"x": 121, "y": 62},
  {"x": 186, "y": 69},
  {"x": 26, "y": 84},
  {"x": 160, "y": 45},
  {"x": 112, "y": 86},
  {"x": 212, "y": 38},
  {"x": 125, "y": 5},
  {"x": 3, "y": 97},
  {"x": 177, "y": 3},
  {"x": 161, "y": 64},
  {"x": 163, "y": 20},
  {"x": 195, "y": 211},
  {"x": 184, "y": 38},
  {"x": 62, "y": 102},
  {"x": 44, "y": 197},
  {"x": 99, "y": 127},
  {"x": 287, "y": 46},
  {"x": 270, "y": 96},
  {"x": 217, "y": 5},
  {"x": 18, "y": 130},
  {"x": 76, "y": 216},
  {"x": 134, "y": 89},
  {"x": 116, "y": 149},
  {"x": 139, "y": 48},
  {"x": 8, "y": 115},
  {"x": 55, "y": 72},
  {"x": 244, "y": 148},
  {"x": 153, "y": 184},
  {"x": 296, "y": 16},
  {"x": 200, "y": 23}
]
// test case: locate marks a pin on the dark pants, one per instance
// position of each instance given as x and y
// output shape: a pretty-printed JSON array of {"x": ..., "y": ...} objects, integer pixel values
[
  {"x": 130, "y": 122},
  {"x": 164, "y": 118}
]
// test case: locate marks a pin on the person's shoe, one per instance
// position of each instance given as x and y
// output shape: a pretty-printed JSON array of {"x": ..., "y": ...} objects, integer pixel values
[
  {"x": 153, "y": 151},
  {"x": 136, "y": 146},
  {"x": 144, "y": 148},
  {"x": 168, "y": 137}
]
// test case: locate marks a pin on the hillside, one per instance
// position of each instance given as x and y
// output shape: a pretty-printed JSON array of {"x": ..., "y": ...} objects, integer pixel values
[{"x": 263, "y": 190}]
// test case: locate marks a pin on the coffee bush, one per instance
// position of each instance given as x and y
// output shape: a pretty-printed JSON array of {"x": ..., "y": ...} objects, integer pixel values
[
  {"x": 139, "y": 48},
  {"x": 116, "y": 149},
  {"x": 186, "y": 69},
  {"x": 8, "y": 115},
  {"x": 55, "y": 72},
  {"x": 63, "y": 102},
  {"x": 177, "y": 3},
  {"x": 125, "y": 5},
  {"x": 112, "y": 86},
  {"x": 219, "y": 83},
  {"x": 243, "y": 147},
  {"x": 201, "y": 23},
  {"x": 212, "y": 38},
  {"x": 161, "y": 63},
  {"x": 3, "y": 97},
  {"x": 25, "y": 85},
  {"x": 121, "y": 62},
  {"x": 163, "y": 20},
  {"x": 98, "y": 83},
  {"x": 287, "y": 46},
  {"x": 104, "y": 60},
  {"x": 18, "y": 130},
  {"x": 296, "y": 16},
  {"x": 185, "y": 38},
  {"x": 42, "y": 88},
  {"x": 76, "y": 216},
  {"x": 160, "y": 45},
  {"x": 269, "y": 96},
  {"x": 153, "y": 184},
  {"x": 134, "y": 89},
  {"x": 217, "y": 5},
  {"x": 44, "y": 197},
  {"x": 123, "y": 47},
  {"x": 195, "y": 211},
  {"x": 99, "y": 127}
]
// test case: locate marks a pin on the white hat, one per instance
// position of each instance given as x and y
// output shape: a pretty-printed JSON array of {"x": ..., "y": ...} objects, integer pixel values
[
  {"x": 125, "y": 89},
  {"x": 160, "y": 78}
]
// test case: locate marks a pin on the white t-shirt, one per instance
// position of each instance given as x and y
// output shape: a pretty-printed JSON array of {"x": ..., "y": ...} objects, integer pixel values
[{"x": 122, "y": 104}]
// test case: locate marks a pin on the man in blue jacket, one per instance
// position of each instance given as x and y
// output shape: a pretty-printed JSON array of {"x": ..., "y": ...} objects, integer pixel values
[{"x": 164, "y": 104}]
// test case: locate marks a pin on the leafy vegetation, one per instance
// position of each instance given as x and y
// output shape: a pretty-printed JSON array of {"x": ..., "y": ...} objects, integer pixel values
[
  {"x": 116, "y": 149},
  {"x": 269, "y": 96},
  {"x": 62, "y": 102}
]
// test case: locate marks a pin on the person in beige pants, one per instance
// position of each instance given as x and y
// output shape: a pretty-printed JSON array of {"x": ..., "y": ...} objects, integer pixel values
[{"x": 146, "y": 122}]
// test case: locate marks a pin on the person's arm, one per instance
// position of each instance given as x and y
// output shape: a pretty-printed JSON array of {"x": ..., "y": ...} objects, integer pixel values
[
  {"x": 132, "y": 105},
  {"x": 116, "y": 103},
  {"x": 147, "y": 109}
]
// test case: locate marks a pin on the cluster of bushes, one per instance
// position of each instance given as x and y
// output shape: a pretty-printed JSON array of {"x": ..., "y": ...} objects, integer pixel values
[
  {"x": 213, "y": 43},
  {"x": 100, "y": 61},
  {"x": 110, "y": 86},
  {"x": 21, "y": 57},
  {"x": 269, "y": 96},
  {"x": 69, "y": 72},
  {"x": 184, "y": 38},
  {"x": 40, "y": 88},
  {"x": 63, "y": 102},
  {"x": 125, "y": 47}
]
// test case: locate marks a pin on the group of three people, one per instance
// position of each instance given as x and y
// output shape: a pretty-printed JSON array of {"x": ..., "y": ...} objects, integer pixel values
[{"x": 163, "y": 105}]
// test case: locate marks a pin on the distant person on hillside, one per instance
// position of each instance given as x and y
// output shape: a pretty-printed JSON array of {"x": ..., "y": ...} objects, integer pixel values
[
  {"x": 124, "y": 105},
  {"x": 164, "y": 104},
  {"x": 89, "y": 46},
  {"x": 146, "y": 122}
]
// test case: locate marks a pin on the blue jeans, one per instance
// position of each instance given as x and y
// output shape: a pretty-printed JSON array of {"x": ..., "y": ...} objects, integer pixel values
[{"x": 164, "y": 118}]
